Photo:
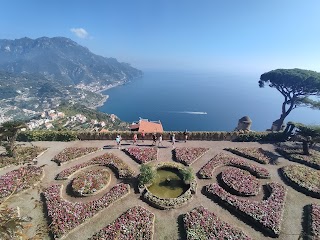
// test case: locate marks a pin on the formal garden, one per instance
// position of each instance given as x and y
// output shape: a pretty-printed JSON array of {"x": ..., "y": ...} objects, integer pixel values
[{"x": 198, "y": 190}]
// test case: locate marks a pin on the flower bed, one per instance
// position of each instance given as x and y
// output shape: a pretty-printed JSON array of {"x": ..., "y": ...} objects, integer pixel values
[
  {"x": 136, "y": 223},
  {"x": 256, "y": 154},
  {"x": 225, "y": 160},
  {"x": 314, "y": 221},
  {"x": 295, "y": 155},
  {"x": 65, "y": 216},
  {"x": 303, "y": 178},
  {"x": 72, "y": 153},
  {"x": 240, "y": 181},
  {"x": 199, "y": 223},
  {"x": 20, "y": 179},
  {"x": 188, "y": 155},
  {"x": 266, "y": 213},
  {"x": 142, "y": 155},
  {"x": 23, "y": 155},
  {"x": 169, "y": 203},
  {"x": 107, "y": 159},
  {"x": 90, "y": 182}
]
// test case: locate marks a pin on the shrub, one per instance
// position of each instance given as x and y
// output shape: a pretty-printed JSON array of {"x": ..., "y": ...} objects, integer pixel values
[
  {"x": 187, "y": 174},
  {"x": 147, "y": 174},
  {"x": 63, "y": 136},
  {"x": 260, "y": 137}
]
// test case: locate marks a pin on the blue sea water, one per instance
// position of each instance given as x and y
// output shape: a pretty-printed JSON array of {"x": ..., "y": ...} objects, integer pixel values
[{"x": 201, "y": 101}]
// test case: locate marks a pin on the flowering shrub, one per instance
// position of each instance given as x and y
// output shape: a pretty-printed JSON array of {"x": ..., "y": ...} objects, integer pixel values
[
  {"x": 136, "y": 223},
  {"x": 23, "y": 155},
  {"x": 304, "y": 178},
  {"x": 188, "y": 155},
  {"x": 107, "y": 159},
  {"x": 226, "y": 160},
  {"x": 314, "y": 223},
  {"x": 65, "y": 216},
  {"x": 20, "y": 179},
  {"x": 199, "y": 223},
  {"x": 90, "y": 182},
  {"x": 142, "y": 155},
  {"x": 256, "y": 154},
  {"x": 296, "y": 155},
  {"x": 266, "y": 213},
  {"x": 240, "y": 181},
  {"x": 72, "y": 153}
]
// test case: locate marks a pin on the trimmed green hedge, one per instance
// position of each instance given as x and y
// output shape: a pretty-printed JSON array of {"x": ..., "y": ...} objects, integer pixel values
[
  {"x": 127, "y": 135},
  {"x": 63, "y": 136}
]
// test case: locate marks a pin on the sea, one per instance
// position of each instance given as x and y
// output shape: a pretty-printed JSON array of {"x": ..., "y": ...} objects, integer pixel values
[{"x": 201, "y": 101}]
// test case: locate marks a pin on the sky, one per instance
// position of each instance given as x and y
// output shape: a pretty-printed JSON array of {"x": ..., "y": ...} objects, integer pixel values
[{"x": 196, "y": 35}]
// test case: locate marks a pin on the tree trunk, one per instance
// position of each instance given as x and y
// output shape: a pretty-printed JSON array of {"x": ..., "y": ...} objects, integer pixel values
[
  {"x": 305, "y": 146},
  {"x": 276, "y": 125}
]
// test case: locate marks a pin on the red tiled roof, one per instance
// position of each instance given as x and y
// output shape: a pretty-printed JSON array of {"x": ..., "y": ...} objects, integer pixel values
[{"x": 147, "y": 127}]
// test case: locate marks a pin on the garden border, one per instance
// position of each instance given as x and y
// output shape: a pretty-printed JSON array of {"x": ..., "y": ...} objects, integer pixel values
[
  {"x": 241, "y": 154},
  {"x": 284, "y": 154},
  {"x": 74, "y": 159},
  {"x": 176, "y": 160},
  {"x": 296, "y": 186}
]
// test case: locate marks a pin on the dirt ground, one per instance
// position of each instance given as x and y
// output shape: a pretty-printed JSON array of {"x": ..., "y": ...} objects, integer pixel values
[{"x": 167, "y": 222}]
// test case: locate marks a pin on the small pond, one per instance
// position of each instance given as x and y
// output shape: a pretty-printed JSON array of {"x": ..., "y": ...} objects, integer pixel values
[{"x": 168, "y": 184}]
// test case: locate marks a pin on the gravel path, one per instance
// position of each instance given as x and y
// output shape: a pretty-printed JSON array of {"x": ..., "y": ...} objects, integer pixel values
[{"x": 167, "y": 221}]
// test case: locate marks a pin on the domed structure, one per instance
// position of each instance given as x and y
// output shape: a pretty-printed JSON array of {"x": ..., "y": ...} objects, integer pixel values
[{"x": 244, "y": 124}]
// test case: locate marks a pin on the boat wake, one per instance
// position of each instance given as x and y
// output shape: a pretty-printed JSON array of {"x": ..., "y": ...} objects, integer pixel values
[{"x": 188, "y": 112}]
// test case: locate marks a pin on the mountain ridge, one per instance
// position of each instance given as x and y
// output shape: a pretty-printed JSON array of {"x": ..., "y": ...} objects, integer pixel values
[
  {"x": 38, "y": 74},
  {"x": 62, "y": 59}
]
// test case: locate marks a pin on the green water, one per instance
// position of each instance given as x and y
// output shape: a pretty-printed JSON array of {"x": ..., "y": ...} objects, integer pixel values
[{"x": 168, "y": 184}]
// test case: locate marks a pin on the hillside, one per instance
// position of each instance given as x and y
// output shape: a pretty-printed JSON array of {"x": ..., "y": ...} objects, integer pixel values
[
  {"x": 62, "y": 60},
  {"x": 76, "y": 117},
  {"x": 38, "y": 74},
  {"x": 25, "y": 95}
]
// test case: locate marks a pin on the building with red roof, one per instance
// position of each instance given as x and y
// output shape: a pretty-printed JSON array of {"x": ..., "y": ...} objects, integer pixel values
[{"x": 144, "y": 125}]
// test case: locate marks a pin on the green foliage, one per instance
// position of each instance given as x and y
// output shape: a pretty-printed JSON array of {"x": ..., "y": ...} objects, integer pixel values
[
  {"x": 299, "y": 81},
  {"x": 147, "y": 174},
  {"x": 296, "y": 85},
  {"x": 308, "y": 131},
  {"x": 8, "y": 135},
  {"x": 187, "y": 174},
  {"x": 261, "y": 137},
  {"x": 63, "y": 136},
  {"x": 309, "y": 103}
]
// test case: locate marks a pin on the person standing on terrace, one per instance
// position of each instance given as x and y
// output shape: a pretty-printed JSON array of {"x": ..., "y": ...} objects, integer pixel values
[
  {"x": 173, "y": 139},
  {"x": 142, "y": 135},
  {"x": 118, "y": 140},
  {"x": 154, "y": 139},
  {"x": 185, "y": 133},
  {"x": 160, "y": 141},
  {"x": 135, "y": 138}
]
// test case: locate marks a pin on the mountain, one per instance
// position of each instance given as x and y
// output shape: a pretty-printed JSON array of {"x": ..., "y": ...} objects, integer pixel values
[
  {"x": 39, "y": 74},
  {"x": 62, "y": 60}
]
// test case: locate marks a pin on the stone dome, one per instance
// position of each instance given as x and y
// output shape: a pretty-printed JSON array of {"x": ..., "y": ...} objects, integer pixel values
[{"x": 245, "y": 119}]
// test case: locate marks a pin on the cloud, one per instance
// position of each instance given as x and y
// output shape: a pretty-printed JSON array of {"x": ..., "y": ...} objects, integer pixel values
[{"x": 80, "y": 32}]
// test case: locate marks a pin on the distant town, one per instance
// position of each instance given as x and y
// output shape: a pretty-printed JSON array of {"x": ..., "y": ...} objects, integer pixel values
[{"x": 53, "y": 119}]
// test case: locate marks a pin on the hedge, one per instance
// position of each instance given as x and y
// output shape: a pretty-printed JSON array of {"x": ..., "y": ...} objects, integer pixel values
[{"x": 127, "y": 135}]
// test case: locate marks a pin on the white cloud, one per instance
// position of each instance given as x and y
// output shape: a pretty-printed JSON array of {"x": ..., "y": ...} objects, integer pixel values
[{"x": 80, "y": 32}]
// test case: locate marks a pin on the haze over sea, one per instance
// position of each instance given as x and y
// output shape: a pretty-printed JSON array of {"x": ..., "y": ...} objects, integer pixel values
[{"x": 201, "y": 101}]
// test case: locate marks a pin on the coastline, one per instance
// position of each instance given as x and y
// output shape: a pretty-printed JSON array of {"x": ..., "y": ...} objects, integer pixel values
[{"x": 105, "y": 96}]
